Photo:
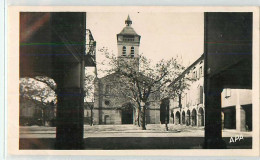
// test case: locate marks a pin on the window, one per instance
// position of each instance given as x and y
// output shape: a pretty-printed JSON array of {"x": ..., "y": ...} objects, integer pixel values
[
  {"x": 200, "y": 95},
  {"x": 108, "y": 89},
  {"x": 201, "y": 73},
  {"x": 107, "y": 102},
  {"x": 132, "y": 52},
  {"x": 124, "y": 51}
]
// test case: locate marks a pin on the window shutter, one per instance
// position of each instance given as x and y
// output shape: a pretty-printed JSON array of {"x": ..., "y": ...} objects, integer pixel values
[{"x": 201, "y": 94}]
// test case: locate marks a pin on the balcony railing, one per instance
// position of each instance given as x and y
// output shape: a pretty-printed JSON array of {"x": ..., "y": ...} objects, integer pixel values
[{"x": 90, "y": 56}]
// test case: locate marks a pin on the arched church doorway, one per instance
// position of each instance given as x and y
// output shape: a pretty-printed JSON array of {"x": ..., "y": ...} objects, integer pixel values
[
  {"x": 178, "y": 118},
  {"x": 194, "y": 117},
  {"x": 201, "y": 117},
  {"x": 127, "y": 114}
]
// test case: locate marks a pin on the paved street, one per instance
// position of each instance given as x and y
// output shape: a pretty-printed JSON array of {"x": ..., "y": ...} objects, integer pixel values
[{"x": 153, "y": 130}]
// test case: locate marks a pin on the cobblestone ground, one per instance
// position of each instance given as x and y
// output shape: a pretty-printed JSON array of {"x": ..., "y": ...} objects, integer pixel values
[{"x": 152, "y": 130}]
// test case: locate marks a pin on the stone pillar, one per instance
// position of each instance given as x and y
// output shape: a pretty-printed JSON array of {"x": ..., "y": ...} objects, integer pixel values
[
  {"x": 240, "y": 115},
  {"x": 70, "y": 112},
  {"x": 240, "y": 118},
  {"x": 170, "y": 117},
  {"x": 181, "y": 121},
  {"x": 213, "y": 131}
]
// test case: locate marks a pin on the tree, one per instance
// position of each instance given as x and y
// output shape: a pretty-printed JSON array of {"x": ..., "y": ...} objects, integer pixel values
[
  {"x": 44, "y": 90},
  {"x": 47, "y": 81},
  {"x": 147, "y": 84},
  {"x": 89, "y": 94},
  {"x": 38, "y": 92}
]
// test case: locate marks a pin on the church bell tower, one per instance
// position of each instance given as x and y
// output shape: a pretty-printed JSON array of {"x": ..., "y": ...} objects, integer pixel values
[{"x": 128, "y": 42}]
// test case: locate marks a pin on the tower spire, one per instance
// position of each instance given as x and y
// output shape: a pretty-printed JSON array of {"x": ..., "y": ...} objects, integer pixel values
[{"x": 128, "y": 21}]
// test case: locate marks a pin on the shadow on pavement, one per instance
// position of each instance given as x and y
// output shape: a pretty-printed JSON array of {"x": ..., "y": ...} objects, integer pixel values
[{"x": 119, "y": 143}]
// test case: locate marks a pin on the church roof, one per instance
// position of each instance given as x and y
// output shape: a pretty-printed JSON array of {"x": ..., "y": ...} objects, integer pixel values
[{"x": 128, "y": 30}]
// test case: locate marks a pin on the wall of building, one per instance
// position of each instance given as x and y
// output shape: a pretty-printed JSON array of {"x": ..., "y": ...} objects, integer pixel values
[
  {"x": 108, "y": 108},
  {"x": 237, "y": 109},
  {"x": 236, "y": 103},
  {"x": 191, "y": 111},
  {"x": 128, "y": 49},
  {"x": 154, "y": 116},
  {"x": 231, "y": 97},
  {"x": 95, "y": 116},
  {"x": 32, "y": 114},
  {"x": 111, "y": 116}
]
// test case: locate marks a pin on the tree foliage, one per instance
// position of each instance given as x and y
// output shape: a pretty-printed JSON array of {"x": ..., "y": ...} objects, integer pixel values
[
  {"x": 35, "y": 90},
  {"x": 89, "y": 94},
  {"x": 89, "y": 88},
  {"x": 42, "y": 90},
  {"x": 149, "y": 83}
]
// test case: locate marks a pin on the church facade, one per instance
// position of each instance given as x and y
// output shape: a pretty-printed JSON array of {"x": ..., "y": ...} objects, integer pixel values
[
  {"x": 189, "y": 110},
  {"x": 109, "y": 109}
]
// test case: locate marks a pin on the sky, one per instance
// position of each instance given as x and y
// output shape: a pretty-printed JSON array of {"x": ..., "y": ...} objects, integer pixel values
[{"x": 163, "y": 35}]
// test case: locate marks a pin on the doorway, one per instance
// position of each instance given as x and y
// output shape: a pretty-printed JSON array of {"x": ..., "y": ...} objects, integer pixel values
[
  {"x": 127, "y": 114},
  {"x": 178, "y": 118},
  {"x": 201, "y": 117},
  {"x": 194, "y": 118}
]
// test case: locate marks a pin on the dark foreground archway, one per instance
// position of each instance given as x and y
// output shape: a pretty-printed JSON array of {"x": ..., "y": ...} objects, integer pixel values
[{"x": 53, "y": 44}]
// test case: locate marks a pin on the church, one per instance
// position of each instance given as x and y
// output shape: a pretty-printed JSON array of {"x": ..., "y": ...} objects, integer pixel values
[{"x": 110, "y": 110}]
